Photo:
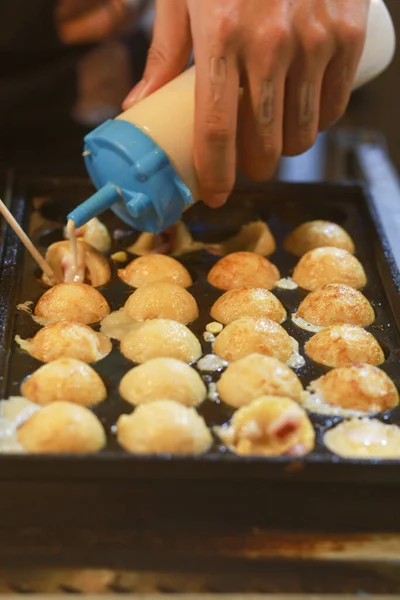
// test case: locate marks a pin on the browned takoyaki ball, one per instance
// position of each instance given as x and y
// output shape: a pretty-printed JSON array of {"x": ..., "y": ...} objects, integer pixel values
[
  {"x": 155, "y": 267},
  {"x": 248, "y": 336},
  {"x": 163, "y": 378},
  {"x": 77, "y": 302},
  {"x": 247, "y": 302},
  {"x": 160, "y": 338},
  {"x": 62, "y": 428},
  {"x": 344, "y": 345},
  {"x": 318, "y": 234},
  {"x": 67, "y": 339},
  {"x": 257, "y": 375},
  {"x": 64, "y": 379},
  {"x": 243, "y": 269},
  {"x": 336, "y": 304},
  {"x": 163, "y": 427},
  {"x": 363, "y": 388},
  {"x": 162, "y": 300},
  {"x": 328, "y": 265}
]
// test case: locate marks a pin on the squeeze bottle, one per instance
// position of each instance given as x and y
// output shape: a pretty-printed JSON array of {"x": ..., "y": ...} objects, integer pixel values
[{"x": 142, "y": 162}]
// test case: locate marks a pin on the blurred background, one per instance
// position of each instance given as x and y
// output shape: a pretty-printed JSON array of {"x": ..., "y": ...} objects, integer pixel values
[{"x": 66, "y": 65}]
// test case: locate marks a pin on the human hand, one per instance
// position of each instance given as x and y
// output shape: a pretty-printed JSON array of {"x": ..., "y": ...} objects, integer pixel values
[
  {"x": 296, "y": 61},
  {"x": 93, "y": 21}
]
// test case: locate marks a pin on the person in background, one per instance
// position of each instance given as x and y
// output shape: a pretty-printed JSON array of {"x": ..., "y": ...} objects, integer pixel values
[
  {"x": 295, "y": 61},
  {"x": 65, "y": 66}
]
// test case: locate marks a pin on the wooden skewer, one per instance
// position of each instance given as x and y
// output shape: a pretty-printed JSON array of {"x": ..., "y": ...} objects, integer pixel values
[{"x": 27, "y": 242}]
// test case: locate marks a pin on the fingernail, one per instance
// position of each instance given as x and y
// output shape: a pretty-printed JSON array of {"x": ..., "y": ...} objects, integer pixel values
[
  {"x": 135, "y": 95},
  {"x": 217, "y": 200}
]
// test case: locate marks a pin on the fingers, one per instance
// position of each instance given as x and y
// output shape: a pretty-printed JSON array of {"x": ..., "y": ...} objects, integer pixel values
[
  {"x": 341, "y": 72},
  {"x": 93, "y": 25},
  {"x": 303, "y": 92},
  {"x": 261, "y": 110},
  {"x": 169, "y": 52},
  {"x": 217, "y": 96}
]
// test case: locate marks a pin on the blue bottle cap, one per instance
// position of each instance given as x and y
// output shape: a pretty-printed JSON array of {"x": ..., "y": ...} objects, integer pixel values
[{"x": 134, "y": 178}]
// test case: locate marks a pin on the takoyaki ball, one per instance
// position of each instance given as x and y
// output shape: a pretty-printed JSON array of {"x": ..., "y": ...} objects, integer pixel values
[
  {"x": 363, "y": 388},
  {"x": 344, "y": 345},
  {"x": 248, "y": 336},
  {"x": 328, "y": 265},
  {"x": 163, "y": 378},
  {"x": 247, "y": 302},
  {"x": 364, "y": 438},
  {"x": 254, "y": 237},
  {"x": 94, "y": 233},
  {"x": 62, "y": 428},
  {"x": 92, "y": 266},
  {"x": 163, "y": 427},
  {"x": 64, "y": 379},
  {"x": 77, "y": 302},
  {"x": 162, "y": 300},
  {"x": 155, "y": 267},
  {"x": 67, "y": 339},
  {"x": 257, "y": 375},
  {"x": 160, "y": 338},
  {"x": 243, "y": 269},
  {"x": 336, "y": 304},
  {"x": 318, "y": 234},
  {"x": 269, "y": 426}
]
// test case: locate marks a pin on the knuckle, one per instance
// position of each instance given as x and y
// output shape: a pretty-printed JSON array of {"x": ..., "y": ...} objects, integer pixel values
[
  {"x": 271, "y": 147},
  {"x": 281, "y": 37},
  {"x": 225, "y": 27},
  {"x": 351, "y": 35},
  {"x": 157, "y": 54},
  {"x": 216, "y": 129},
  {"x": 316, "y": 40}
]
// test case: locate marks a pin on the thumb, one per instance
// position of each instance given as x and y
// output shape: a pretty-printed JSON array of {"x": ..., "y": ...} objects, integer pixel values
[{"x": 169, "y": 52}]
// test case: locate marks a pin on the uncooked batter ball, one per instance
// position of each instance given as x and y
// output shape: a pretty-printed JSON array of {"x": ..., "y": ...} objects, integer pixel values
[
  {"x": 363, "y": 388},
  {"x": 336, "y": 304},
  {"x": 328, "y": 265},
  {"x": 161, "y": 338},
  {"x": 155, "y": 267},
  {"x": 77, "y": 302},
  {"x": 67, "y": 339},
  {"x": 248, "y": 336},
  {"x": 247, "y": 302},
  {"x": 257, "y": 375},
  {"x": 364, "y": 438},
  {"x": 162, "y": 300},
  {"x": 64, "y": 379},
  {"x": 317, "y": 234},
  {"x": 344, "y": 345},
  {"x": 269, "y": 426},
  {"x": 243, "y": 269},
  {"x": 163, "y": 427},
  {"x": 163, "y": 378},
  {"x": 62, "y": 428}
]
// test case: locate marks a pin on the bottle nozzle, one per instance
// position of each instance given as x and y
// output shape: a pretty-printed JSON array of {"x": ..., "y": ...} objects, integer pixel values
[{"x": 104, "y": 198}]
